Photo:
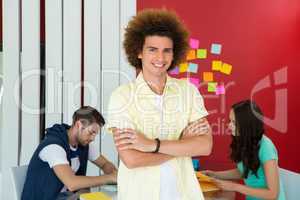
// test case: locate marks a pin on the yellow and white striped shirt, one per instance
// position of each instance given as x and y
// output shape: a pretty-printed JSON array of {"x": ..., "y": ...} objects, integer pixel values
[{"x": 134, "y": 105}]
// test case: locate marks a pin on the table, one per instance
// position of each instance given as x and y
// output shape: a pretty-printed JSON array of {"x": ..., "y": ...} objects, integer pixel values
[
  {"x": 219, "y": 195},
  {"x": 215, "y": 195}
]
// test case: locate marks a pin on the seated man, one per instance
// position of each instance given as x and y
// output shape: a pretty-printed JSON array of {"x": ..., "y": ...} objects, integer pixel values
[{"x": 58, "y": 165}]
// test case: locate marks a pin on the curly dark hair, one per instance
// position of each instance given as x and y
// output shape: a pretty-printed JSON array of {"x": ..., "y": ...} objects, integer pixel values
[
  {"x": 249, "y": 131},
  {"x": 155, "y": 22}
]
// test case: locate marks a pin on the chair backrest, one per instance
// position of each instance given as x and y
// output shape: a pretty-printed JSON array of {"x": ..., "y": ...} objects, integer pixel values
[
  {"x": 291, "y": 182},
  {"x": 18, "y": 177}
]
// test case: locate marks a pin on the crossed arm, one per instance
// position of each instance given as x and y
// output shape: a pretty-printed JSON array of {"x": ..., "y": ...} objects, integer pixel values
[
  {"x": 74, "y": 182},
  {"x": 135, "y": 149}
]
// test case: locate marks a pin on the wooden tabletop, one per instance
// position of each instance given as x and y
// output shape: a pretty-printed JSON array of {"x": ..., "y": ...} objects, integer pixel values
[{"x": 219, "y": 195}]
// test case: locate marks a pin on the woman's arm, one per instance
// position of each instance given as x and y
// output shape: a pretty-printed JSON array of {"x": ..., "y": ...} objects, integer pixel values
[
  {"x": 272, "y": 181},
  {"x": 232, "y": 174}
]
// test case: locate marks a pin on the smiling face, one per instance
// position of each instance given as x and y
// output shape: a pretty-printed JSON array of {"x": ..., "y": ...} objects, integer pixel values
[
  {"x": 156, "y": 56},
  {"x": 87, "y": 134}
]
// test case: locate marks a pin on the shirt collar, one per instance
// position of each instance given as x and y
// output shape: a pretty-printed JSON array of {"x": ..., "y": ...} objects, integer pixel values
[{"x": 140, "y": 81}]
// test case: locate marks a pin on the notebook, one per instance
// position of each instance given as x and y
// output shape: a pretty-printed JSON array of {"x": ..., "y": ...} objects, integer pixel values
[
  {"x": 206, "y": 183},
  {"x": 208, "y": 187},
  {"x": 95, "y": 196},
  {"x": 203, "y": 178}
]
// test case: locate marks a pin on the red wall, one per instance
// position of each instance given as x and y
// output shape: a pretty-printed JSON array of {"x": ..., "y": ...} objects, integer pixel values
[{"x": 258, "y": 38}]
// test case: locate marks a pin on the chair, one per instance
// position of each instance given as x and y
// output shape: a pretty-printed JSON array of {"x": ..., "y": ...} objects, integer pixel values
[
  {"x": 291, "y": 182},
  {"x": 18, "y": 179}
]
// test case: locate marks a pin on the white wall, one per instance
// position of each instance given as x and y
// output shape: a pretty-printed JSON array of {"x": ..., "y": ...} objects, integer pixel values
[
  {"x": 11, "y": 98},
  {"x": 30, "y": 87},
  {"x": 92, "y": 62},
  {"x": 115, "y": 69},
  {"x": 1, "y": 83},
  {"x": 1, "y": 92},
  {"x": 105, "y": 69},
  {"x": 110, "y": 69}
]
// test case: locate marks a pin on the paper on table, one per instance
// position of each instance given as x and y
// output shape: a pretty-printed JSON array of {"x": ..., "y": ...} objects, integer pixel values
[
  {"x": 94, "y": 196},
  {"x": 208, "y": 187},
  {"x": 203, "y": 177},
  {"x": 206, "y": 183}
]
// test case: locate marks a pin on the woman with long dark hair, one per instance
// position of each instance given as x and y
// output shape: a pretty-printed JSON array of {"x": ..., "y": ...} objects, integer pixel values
[{"x": 255, "y": 155}]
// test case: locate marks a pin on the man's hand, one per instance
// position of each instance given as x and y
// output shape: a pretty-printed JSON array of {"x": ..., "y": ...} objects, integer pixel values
[
  {"x": 196, "y": 128},
  {"x": 106, "y": 166},
  {"x": 112, "y": 177},
  {"x": 131, "y": 139}
]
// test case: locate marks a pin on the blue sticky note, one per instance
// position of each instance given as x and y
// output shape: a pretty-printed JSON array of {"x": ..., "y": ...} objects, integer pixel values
[
  {"x": 193, "y": 68},
  {"x": 216, "y": 48}
]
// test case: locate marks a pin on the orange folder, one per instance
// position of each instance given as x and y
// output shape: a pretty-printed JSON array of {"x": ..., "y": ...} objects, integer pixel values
[{"x": 206, "y": 183}]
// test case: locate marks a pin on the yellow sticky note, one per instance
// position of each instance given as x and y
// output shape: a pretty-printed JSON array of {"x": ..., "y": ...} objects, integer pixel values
[
  {"x": 211, "y": 87},
  {"x": 191, "y": 55},
  {"x": 201, "y": 53},
  {"x": 95, "y": 196},
  {"x": 208, "y": 76},
  {"x": 183, "y": 67},
  {"x": 216, "y": 65},
  {"x": 226, "y": 68}
]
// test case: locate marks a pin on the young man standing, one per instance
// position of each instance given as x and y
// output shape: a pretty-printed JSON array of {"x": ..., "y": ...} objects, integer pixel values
[
  {"x": 58, "y": 165},
  {"x": 158, "y": 122}
]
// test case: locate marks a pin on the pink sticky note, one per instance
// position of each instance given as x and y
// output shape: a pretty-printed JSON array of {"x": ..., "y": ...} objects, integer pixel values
[
  {"x": 194, "y": 43},
  {"x": 194, "y": 81},
  {"x": 220, "y": 90}
]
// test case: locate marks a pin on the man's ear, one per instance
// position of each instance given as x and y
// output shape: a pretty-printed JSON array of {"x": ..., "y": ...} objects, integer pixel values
[{"x": 78, "y": 124}]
